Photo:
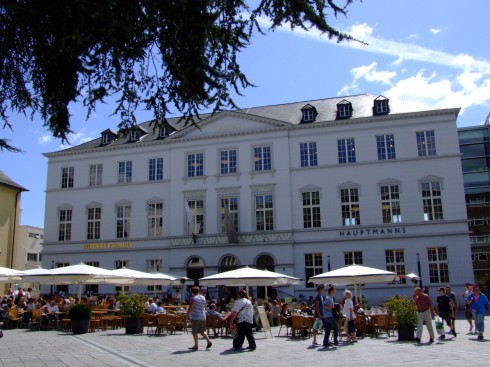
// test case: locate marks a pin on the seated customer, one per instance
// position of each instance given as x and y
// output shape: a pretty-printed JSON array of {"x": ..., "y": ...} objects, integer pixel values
[
  {"x": 152, "y": 307},
  {"x": 286, "y": 312},
  {"x": 217, "y": 317},
  {"x": 305, "y": 309},
  {"x": 159, "y": 308}
]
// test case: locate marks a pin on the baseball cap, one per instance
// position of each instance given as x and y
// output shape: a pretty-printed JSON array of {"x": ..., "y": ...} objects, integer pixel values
[
  {"x": 448, "y": 286},
  {"x": 442, "y": 288}
]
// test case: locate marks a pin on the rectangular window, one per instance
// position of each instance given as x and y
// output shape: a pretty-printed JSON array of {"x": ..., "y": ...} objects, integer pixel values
[
  {"x": 353, "y": 257},
  {"x": 67, "y": 177},
  {"x": 426, "y": 143},
  {"x": 154, "y": 265},
  {"x": 123, "y": 221},
  {"x": 264, "y": 213},
  {"x": 95, "y": 175},
  {"x": 346, "y": 149},
  {"x": 155, "y": 169},
  {"x": 195, "y": 165},
  {"x": 118, "y": 264},
  {"x": 308, "y": 154},
  {"x": 154, "y": 288},
  {"x": 381, "y": 107},
  {"x": 313, "y": 266},
  {"x": 351, "y": 215},
  {"x": 344, "y": 110},
  {"x": 155, "y": 219},
  {"x": 125, "y": 172},
  {"x": 228, "y": 163},
  {"x": 395, "y": 262},
  {"x": 32, "y": 257},
  {"x": 229, "y": 213},
  {"x": 93, "y": 223},
  {"x": 432, "y": 201},
  {"x": 390, "y": 204},
  {"x": 195, "y": 216},
  {"x": 262, "y": 158},
  {"x": 311, "y": 210},
  {"x": 36, "y": 235},
  {"x": 386, "y": 147},
  {"x": 438, "y": 265},
  {"x": 308, "y": 114},
  {"x": 64, "y": 225}
]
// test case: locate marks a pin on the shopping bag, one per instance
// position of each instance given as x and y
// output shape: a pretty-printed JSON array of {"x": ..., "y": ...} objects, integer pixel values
[
  {"x": 317, "y": 325},
  {"x": 440, "y": 326}
]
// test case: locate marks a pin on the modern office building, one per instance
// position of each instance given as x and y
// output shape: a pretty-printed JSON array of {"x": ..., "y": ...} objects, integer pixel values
[
  {"x": 474, "y": 144},
  {"x": 298, "y": 188}
]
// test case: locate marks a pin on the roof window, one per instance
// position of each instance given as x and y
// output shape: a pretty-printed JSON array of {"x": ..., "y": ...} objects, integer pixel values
[
  {"x": 308, "y": 114},
  {"x": 344, "y": 109},
  {"x": 381, "y": 106}
]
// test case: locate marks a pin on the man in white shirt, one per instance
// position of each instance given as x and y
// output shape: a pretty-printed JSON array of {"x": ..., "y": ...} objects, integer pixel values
[{"x": 153, "y": 306}]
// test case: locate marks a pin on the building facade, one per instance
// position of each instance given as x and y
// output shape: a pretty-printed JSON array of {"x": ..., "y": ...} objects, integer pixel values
[
  {"x": 10, "y": 195},
  {"x": 475, "y": 160},
  {"x": 298, "y": 188}
]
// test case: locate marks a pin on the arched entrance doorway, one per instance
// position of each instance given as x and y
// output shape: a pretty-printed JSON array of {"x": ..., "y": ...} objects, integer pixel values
[
  {"x": 195, "y": 269},
  {"x": 228, "y": 263},
  {"x": 265, "y": 262}
]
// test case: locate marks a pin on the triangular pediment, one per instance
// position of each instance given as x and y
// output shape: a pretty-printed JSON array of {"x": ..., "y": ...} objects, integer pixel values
[{"x": 230, "y": 122}]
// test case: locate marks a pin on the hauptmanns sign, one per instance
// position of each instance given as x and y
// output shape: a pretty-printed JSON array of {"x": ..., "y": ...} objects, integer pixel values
[
  {"x": 100, "y": 246},
  {"x": 372, "y": 232}
]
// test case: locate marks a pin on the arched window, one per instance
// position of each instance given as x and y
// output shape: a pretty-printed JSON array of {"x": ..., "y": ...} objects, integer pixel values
[
  {"x": 228, "y": 263},
  {"x": 265, "y": 262}
]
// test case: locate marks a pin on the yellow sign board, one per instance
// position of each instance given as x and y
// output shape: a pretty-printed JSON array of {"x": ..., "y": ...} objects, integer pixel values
[{"x": 98, "y": 246}]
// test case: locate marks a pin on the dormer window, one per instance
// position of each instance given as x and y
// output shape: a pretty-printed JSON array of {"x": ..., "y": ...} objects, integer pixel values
[
  {"x": 309, "y": 113},
  {"x": 107, "y": 137},
  {"x": 344, "y": 109},
  {"x": 134, "y": 135},
  {"x": 381, "y": 106},
  {"x": 165, "y": 131}
]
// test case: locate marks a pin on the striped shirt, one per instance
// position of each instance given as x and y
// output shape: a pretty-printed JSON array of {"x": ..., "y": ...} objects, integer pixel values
[{"x": 199, "y": 310}]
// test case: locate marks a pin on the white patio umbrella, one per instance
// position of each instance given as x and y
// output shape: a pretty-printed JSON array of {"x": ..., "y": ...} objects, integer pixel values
[
  {"x": 249, "y": 277},
  {"x": 142, "y": 278},
  {"x": 8, "y": 275},
  {"x": 77, "y": 274},
  {"x": 354, "y": 274}
]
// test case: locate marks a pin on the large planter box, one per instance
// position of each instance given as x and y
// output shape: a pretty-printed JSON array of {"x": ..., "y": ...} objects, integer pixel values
[
  {"x": 80, "y": 326},
  {"x": 406, "y": 332},
  {"x": 134, "y": 326}
]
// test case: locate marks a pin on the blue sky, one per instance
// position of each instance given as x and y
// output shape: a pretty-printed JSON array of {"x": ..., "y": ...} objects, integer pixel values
[{"x": 431, "y": 53}]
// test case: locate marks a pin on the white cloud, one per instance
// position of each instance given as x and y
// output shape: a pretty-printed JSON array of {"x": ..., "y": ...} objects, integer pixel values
[
  {"x": 400, "y": 50},
  {"x": 435, "y": 30},
  {"x": 44, "y": 139},
  {"x": 78, "y": 138}
]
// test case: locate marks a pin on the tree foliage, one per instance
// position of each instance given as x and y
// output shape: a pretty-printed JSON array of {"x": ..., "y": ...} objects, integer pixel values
[{"x": 155, "y": 54}]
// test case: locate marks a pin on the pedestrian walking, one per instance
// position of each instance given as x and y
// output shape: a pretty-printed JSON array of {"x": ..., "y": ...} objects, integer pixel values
[
  {"x": 197, "y": 316},
  {"x": 479, "y": 306},
  {"x": 425, "y": 313}
]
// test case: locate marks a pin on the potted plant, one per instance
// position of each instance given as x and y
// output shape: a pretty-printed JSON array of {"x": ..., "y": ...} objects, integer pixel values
[
  {"x": 132, "y": 308},
  {"x": 80, "y": 318},
  {"x": 405, "y": 312}
]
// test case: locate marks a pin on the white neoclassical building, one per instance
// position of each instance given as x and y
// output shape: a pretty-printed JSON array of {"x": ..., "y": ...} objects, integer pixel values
[{"x": 298, "y": 188}]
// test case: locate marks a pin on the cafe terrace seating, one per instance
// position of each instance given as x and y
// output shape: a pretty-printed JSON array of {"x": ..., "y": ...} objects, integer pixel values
[
  {"x": 301, "y": 326},
  {"x": 13, "y": 317},
  {"x": 283, "y": 321}
]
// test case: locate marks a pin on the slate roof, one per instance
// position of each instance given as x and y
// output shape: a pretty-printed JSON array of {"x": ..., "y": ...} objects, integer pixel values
[
  {"x": 362, "y": 107},
  {"x": 6, "y": 180}
]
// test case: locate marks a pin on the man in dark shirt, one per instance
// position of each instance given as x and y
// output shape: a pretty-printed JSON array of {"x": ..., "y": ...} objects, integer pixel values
[
  {"x": 305, "y": 309},
  {"x": 445, "y": 310}
]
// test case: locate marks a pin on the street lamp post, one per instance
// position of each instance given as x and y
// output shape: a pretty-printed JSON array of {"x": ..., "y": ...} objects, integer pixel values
[
  {"x": 328, "y": 263},
  {"x": 420, "y": 273}
]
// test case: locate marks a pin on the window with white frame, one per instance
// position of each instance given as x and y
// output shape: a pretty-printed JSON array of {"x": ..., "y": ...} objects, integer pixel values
[
  {"x": 313, "y": 266},
  {"x": 155, "y": 219},
  {"x": 381, "y": 106},
  {"x": 351, "y": 214},
  {"x": 67, "y": 177},
  {"x": 119, "y": 264},
  {"x": 264, "y": 212},
  {"x": 346, "y": 149},
  {"x": 229, "y": 213},
  {"x": 308, "y": 114},
  {"x": 106, "y": 139},
  {"x": 125, "y": 172},
  {"x": 426, "y": 143},
  {"x": 228, "y": 161},
  {"x": 155, "y": 169},
  {"x": 438, "y": 265},
  {"x": 308, "y": 154},
  {"x": 262, "y": 158},
  {"x": 432, "y": 200},
  {"x": 195, "y": 164},
  {"x": 165, "y": 131},
  {"x": 390, "y": 203},
  {"x": 123, "y": 221},
  {"x": 154, "y": 265},
  {"x": 134, "y": 135},
  {"x": 195, "y": 216},
  {"x": 311, "y": 209},
  {"x": 64, "y": 224},
  {"x": 395, "y": 262},
  {"x": 93, "y": 223},
  {"x": 344, "y": 110},
  {"x": 95, "y": 175},
  {"x": 353, "y": 257},
  {"x": 386, "y": 147},
  {"x": 32, "y": 257}
]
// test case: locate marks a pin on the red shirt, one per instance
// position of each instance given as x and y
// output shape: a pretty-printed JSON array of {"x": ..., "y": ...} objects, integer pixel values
[{"x": 423, "y": 302}]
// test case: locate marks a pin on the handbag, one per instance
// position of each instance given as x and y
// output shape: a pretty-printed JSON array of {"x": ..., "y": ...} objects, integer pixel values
[
  {"x": 317, "y": 325},
  {"x": 439, "y": 326}
]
